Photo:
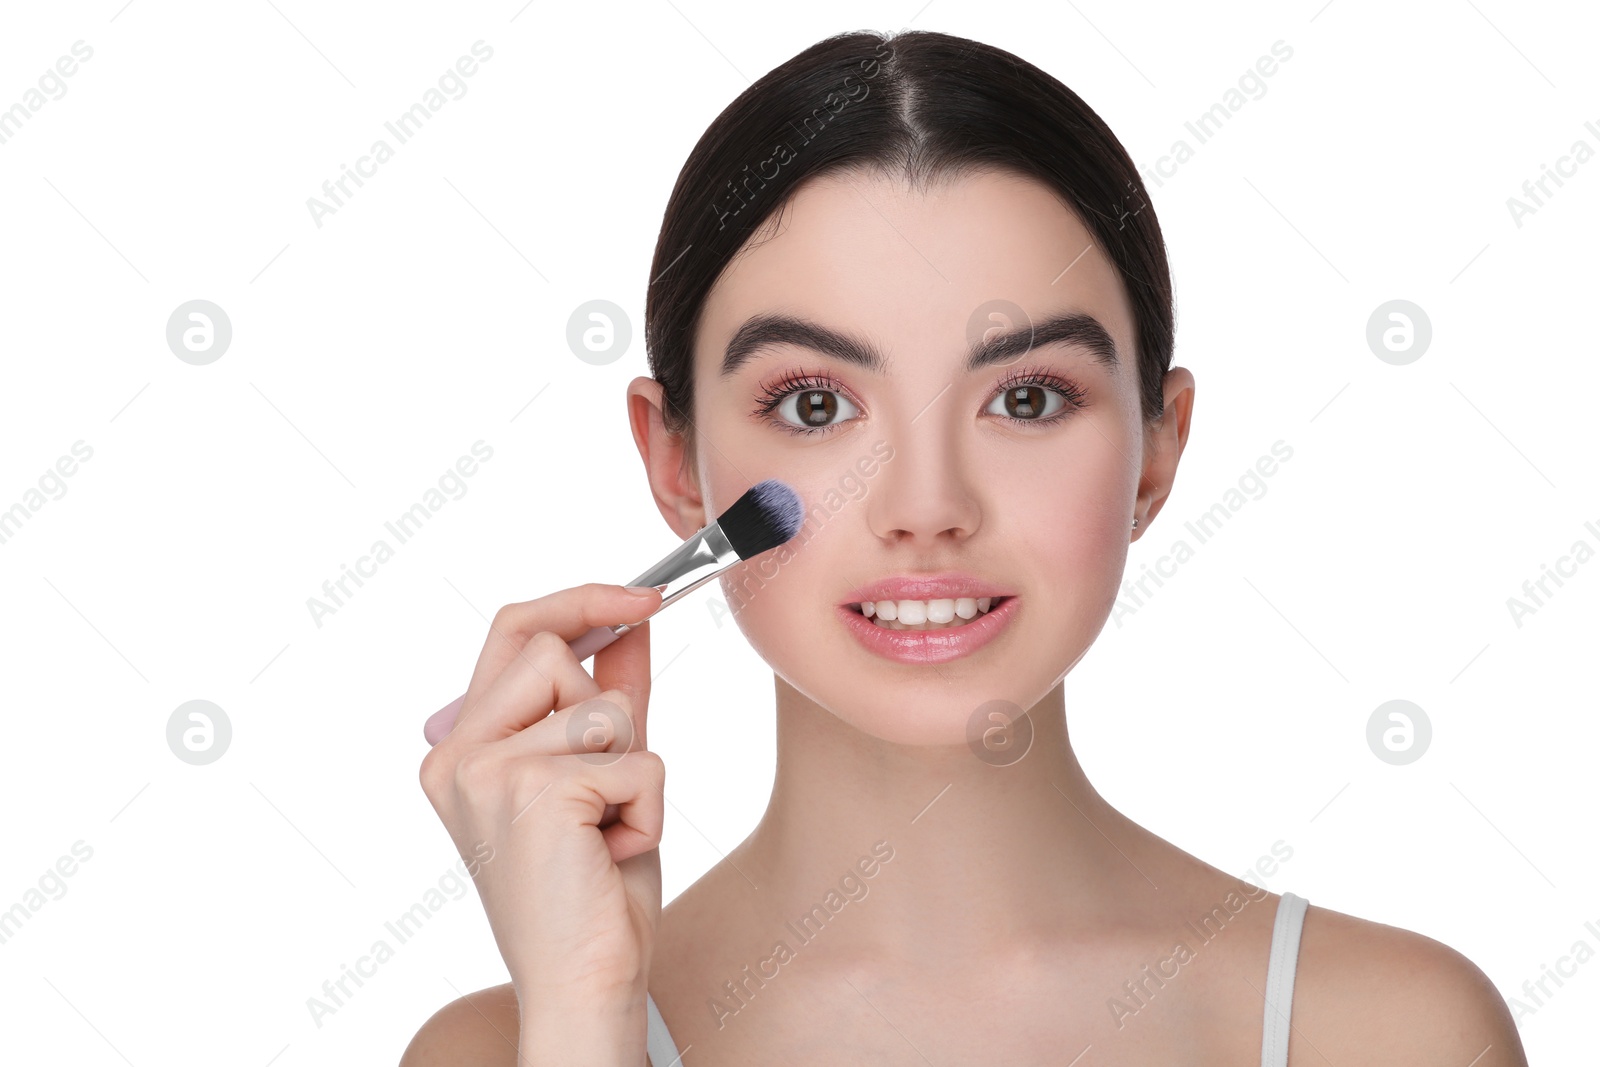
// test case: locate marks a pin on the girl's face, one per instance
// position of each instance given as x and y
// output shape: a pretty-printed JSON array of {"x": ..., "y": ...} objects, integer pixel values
[{"x": 1023, "y": 473}]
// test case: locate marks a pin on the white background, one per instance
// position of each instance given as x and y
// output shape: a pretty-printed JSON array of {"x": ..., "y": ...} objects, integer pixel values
[{"x": 1227, "y": 713}]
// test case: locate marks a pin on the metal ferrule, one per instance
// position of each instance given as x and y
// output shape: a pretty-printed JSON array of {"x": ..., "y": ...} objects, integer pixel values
[{"x": 686, "y": 568}]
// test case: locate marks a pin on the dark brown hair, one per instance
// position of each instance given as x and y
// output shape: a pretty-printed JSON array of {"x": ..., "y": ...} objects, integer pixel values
[{"x": 918, "y": 105}]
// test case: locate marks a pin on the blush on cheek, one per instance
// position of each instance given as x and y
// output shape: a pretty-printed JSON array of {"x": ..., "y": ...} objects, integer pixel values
[
  {"x": 775, "y": 626},
  {"x": 1079, "y": 564},
  {"x": 741, "y": 592}
]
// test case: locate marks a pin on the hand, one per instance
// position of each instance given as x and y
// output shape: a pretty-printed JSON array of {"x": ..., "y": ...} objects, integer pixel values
[{"x": 549, "y": 767}]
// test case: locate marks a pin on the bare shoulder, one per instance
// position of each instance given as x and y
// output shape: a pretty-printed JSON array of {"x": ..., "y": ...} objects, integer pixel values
[
  {"x": 477, "y": 1030},
  {"x": 1367, "y": 993}
]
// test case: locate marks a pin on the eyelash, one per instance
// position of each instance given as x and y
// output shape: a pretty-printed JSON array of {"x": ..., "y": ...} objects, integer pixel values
[{"x": 791, "y": 383}]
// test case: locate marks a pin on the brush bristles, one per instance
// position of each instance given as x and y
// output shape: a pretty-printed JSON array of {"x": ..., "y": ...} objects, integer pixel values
[{"x": 766, "y": 516}]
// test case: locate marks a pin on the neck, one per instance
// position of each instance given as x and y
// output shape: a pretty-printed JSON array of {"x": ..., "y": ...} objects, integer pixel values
[{"x": 975, "y": 859}]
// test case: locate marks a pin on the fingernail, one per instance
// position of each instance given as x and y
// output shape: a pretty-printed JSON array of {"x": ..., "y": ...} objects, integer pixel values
[{"x": 644, "y": 590}]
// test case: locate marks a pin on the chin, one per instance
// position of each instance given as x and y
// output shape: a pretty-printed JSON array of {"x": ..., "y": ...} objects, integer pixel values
[
  {"x": 930, "y": 715},
  {"x": 965, "y": 704}
]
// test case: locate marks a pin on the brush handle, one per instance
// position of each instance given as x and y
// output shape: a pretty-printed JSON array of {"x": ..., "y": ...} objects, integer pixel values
[
  {"x": 683, "y": 570},
  {"x": 583, "y": 646}
]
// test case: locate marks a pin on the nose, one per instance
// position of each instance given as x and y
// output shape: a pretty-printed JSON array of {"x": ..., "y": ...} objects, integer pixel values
[{"x": 926, "y": 494}]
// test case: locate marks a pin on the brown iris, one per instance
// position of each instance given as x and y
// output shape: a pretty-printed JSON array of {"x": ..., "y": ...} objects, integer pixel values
[
  {"x": 1025, "y": 401},
  {"x": 816, "y": 407}
]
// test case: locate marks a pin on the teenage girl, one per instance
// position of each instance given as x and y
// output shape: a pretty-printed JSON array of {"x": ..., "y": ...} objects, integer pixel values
[{"x": 923, "y": 263}]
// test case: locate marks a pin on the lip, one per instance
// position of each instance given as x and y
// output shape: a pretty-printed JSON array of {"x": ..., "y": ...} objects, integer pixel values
[
  {"x": 951, "y": 586},
  {"x": 928, "y": 646}
]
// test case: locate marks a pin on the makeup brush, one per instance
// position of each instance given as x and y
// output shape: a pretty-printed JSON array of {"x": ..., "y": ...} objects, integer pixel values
[{"x": 766, "y": 516}]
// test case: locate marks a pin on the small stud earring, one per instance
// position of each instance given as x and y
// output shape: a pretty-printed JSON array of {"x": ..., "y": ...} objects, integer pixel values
[{"x": 1135, "y": 524}]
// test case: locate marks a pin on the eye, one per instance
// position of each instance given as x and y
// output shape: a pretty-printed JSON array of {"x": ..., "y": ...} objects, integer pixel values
[
  {"x": 807, "y": 404},
  {"x": 1033, "y": 397},
  {"x": 814, "y": 403},
  {"x": 1027, "y": 403}
]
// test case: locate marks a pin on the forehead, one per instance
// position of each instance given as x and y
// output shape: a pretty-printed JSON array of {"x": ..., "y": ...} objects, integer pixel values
[{"x": 908, "y": 268}]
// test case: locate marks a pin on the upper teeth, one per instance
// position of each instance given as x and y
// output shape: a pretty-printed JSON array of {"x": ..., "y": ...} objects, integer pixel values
[{"x": 912, "y": 612}]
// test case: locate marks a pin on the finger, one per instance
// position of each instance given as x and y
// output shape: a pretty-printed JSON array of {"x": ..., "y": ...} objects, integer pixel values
[
  {"x": 634, "y": 786},
  {"x": 568, "y": 613},
  {"x": 442, "y": 721},
  {"x": 600, "y": 725},
  {"x": 624, "y": 666},
  {"x": 543, "y": 675}
]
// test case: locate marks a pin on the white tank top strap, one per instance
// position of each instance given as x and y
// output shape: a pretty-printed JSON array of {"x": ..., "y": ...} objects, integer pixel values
[
  {"x": 1280, "y": 980},
  {"x": 658, "y": 1043}
]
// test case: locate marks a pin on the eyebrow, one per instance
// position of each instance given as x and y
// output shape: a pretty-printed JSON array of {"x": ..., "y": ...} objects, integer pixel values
[{"x": 772, "y": 329}]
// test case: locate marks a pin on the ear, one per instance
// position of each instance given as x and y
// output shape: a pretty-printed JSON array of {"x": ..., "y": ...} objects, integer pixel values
[
  {"x": 1164, "y": 443},
  {"x": 668, "y": 463}
]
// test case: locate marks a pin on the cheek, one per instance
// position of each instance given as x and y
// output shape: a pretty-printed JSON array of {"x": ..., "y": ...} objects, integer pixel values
[
  {"x": 779, "y": 598},
  {"x": 785, "y": 615},
  {"x": 1069, "y": 533},
  {"x": 785, "y": 601}
]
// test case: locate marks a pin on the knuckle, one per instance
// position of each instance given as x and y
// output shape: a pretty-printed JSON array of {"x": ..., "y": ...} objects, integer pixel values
[
  {"x": 546, "y": 643},
  {"x": 434, "y": 772},
  {"x": 652, "y": 766},
  {"x": 564, "y": 790},
  {"x": 474, "y": 771}
]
